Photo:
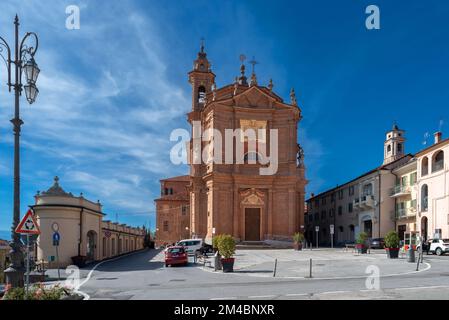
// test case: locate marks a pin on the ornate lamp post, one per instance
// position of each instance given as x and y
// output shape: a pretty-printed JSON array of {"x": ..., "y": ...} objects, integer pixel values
[{"x": 23, "y": 63}]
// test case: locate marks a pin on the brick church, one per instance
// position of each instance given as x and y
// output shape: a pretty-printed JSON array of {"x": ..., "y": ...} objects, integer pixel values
[{"x": 236, "y": 199}]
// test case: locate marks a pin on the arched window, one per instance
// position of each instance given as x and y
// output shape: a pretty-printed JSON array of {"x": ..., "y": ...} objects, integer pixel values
[
  {"x": 424, "y": 197},
  {"x": 389, "y": 148},
  {"x": 201, "y": 94},
  {"x": 438, "y": 161},
  {"x": 424, "y": 167}
]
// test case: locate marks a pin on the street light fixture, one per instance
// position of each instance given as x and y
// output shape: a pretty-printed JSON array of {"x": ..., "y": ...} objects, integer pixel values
[{"x": 23, "y": 63}]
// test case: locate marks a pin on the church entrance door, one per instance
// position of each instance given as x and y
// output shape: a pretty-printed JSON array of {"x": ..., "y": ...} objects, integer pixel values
[{"x": 252, "y": 224}]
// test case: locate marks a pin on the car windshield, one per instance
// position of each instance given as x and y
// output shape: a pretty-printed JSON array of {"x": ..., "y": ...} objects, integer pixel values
[{"x": 176, "y": 250}]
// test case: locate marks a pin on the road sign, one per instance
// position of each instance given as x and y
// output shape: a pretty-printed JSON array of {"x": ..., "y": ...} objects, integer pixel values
[
  {"x": 28, "y": 225},
  {"x": 56, "y": 239},
  {"x": 331, "y": 227},
  {"x": 317, "y": 228},
  {"x": 55, "y": 227}
]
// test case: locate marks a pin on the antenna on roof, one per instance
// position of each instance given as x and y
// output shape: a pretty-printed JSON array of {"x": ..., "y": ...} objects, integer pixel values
[
  {"x": 426, "y": 137},
  {"x": 440, "y": 126}
]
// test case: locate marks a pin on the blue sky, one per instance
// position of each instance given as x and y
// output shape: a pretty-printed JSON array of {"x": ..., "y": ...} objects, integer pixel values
[{"x": 111, "y": 92}]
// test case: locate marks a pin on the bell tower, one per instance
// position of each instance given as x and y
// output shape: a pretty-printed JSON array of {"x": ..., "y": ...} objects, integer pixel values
[
  {"x": 201, "y": 78},
  {"x": 394, "y": 145}
]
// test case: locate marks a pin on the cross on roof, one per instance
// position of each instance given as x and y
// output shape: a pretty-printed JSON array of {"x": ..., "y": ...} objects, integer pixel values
[{"x": 253, "y": 62}]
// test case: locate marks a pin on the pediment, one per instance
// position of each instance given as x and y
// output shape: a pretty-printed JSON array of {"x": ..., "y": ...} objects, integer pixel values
[{"x": 254, "y": 98}]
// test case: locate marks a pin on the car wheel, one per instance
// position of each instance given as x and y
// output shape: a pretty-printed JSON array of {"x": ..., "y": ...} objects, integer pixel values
[
  {"x": 166, "y": 265},
  {"x": 439, "y": 251}
]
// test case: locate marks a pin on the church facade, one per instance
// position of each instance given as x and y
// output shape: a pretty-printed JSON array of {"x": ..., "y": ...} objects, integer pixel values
[{"x": 235, "y": 196}]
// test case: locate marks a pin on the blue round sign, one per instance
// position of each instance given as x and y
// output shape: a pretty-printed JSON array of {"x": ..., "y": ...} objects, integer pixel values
[{"x": 56, "y": 236}]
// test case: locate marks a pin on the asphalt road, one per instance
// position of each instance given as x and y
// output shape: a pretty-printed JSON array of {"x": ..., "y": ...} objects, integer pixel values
[{"x": 142, "y": 276}]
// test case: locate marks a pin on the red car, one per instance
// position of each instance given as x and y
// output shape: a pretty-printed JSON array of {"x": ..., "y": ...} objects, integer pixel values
[{"x": 176, "y": 255}]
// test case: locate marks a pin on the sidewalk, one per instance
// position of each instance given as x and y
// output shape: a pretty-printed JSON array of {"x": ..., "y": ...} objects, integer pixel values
[{"x": 326, "y": 263}]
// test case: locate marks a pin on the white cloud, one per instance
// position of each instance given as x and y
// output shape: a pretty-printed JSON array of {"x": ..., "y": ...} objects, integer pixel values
[{"x": 105, "y": 109}]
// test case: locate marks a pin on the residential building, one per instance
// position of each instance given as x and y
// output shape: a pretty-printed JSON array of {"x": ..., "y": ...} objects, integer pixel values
[
  {"x": 433, "y": 190},
  {"x": 362, "y": 204},
  {"x": 405, "y": 192}
]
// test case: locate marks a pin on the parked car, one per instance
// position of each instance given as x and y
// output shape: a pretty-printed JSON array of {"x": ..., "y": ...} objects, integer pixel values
[
  {"x": 377, "y": 243},
  {"x": 192, "y": 246},
  {"x": 439, "y": 246},
  {"x": 176, "y": 255}
]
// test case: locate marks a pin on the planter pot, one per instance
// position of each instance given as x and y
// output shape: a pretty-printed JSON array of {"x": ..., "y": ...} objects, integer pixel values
[
  {"x": 79, "y": 261},
  {"x": 361, "y": 248},
  {"x": 392, "y": 253},
  {"x": 228, "y": 264},
  {"x": 297, "y": 246}
]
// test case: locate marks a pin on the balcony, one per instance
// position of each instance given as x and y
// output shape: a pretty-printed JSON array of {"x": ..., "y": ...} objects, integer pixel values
[
  {"x": 364, "y": 202},
  {"x": 367, "y": 202},
  {"x": 399, "y": 191},
  {"x": 406, "y": 210}
]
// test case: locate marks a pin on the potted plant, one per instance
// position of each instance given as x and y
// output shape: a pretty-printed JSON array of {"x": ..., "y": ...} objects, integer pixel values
[
  {"x": 215, "y": 243},
  {"x": 298, "y": 239},
  {"x": 361, "y": 242},
  {"x": 392, "y": 244},
  {"x": 79, "y": 261},
  {"x": 226, "y": 248}
]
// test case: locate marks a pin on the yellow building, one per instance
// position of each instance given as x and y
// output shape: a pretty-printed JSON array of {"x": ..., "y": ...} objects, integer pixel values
[{"x": 83, "y": 232}]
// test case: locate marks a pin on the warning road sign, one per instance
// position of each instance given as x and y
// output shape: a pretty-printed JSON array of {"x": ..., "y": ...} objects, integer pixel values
[{"x": 28, "y": 225}]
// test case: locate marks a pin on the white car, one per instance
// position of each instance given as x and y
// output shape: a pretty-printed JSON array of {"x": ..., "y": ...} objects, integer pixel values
[
  {"x": 192, "y": 245},
  {"x": 439, "y": 246}
]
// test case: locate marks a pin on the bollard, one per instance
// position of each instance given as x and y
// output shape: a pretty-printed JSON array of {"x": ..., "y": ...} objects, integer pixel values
[
  {"x": 410, "y": 254},
  {"x": 310, "y": 269},
  {"x": 275, "y": 267}
]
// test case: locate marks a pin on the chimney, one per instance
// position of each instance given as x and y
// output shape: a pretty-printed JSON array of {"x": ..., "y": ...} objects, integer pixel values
[{"x": 438, "y": 135}]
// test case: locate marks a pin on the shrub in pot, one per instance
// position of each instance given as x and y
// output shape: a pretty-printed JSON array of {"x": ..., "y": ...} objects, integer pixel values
[
  {"x": 392, "y": 244},
  {"x": 361, "y": 242},
  {"x": 298, "y": 239},
  {"x": 215, "y": 240},
  {"x": 226, "y": 248}
]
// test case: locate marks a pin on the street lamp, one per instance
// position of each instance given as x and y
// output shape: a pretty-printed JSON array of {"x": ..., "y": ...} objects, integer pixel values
[{"x": 23, "y": 63}]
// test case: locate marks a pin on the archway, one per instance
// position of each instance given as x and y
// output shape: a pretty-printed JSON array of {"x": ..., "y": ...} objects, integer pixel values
[
  {"x": 91, "y": 245},
  {"x": 424, "y": 228}
]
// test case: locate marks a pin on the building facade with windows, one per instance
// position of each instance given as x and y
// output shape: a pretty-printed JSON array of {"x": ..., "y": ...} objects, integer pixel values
[
  {"x": 173, "y": 211},
  {"x": 405, "y": 193},
  {"x": 235, "y": 198},
  {"x": 83, "y": 232},
  {"x": 433, "y": 190},
  {"x": 363, "y": 204}
]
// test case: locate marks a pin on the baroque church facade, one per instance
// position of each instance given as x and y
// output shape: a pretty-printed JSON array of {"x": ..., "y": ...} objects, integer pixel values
[{"x": 235, "y": 198}]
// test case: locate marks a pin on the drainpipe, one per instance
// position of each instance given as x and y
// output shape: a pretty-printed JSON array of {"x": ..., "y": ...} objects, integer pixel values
[
  {"x": 81, "y": 231},
  {"x": 380, "y": 198},
  {"x": 395, "y": 202}
]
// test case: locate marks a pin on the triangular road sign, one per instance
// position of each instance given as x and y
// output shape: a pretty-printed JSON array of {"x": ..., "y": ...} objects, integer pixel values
[{"x": 28, "y": 225}]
